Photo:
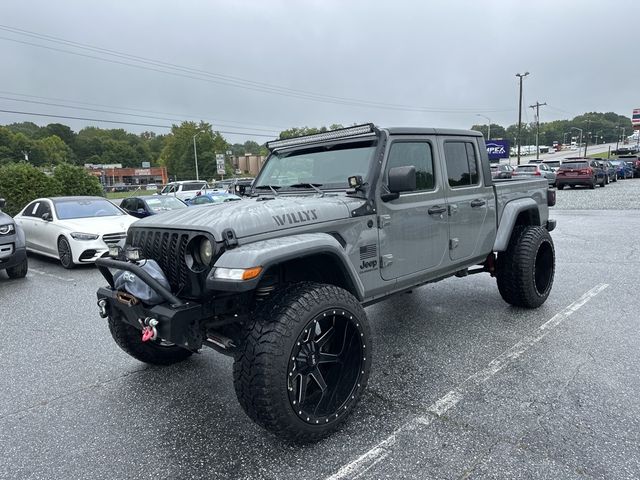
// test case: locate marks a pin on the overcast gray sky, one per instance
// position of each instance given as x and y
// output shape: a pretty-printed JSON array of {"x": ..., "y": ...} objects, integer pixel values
[{"x": 436, "y": 63}]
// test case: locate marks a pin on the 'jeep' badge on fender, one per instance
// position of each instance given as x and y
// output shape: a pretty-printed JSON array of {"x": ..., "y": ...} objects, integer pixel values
[
  {"x": 368, "y": 258},
  {"x": 296, "y": 217}
]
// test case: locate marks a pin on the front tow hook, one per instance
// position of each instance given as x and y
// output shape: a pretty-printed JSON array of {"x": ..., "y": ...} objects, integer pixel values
[{"x": 102, "y": 307}]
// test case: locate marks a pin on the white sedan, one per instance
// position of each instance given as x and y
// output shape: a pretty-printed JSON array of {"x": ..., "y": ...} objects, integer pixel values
[{"x": 73, "y": 229}]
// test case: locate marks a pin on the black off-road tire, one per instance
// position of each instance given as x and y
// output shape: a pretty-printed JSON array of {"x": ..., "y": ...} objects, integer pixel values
[
  {"x": 267, "y": 360},
  {"x": 525, "y": 271},
  {"x": 153, "y": 352},
  {"x": 19, "y": 271}
]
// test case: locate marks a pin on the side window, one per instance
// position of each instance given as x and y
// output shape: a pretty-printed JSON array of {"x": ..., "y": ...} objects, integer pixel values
[
  {"x": 125, "y": 205},
  {"x": 140, "y": 205},
  {"x": 42, "y": 209},
  {"x": 31, "y": 209},
  {"x": 419, "y": 155},
  {"x": 462, "y": 164}
]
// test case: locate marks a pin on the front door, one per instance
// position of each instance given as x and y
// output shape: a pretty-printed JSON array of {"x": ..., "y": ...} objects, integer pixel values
[
  {"x": 471, "y": 203},
  {"x": 413, "y": 231}
]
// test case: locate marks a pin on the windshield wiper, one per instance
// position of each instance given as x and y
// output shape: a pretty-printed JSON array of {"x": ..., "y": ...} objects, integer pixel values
[
  {"x": 273, "y": 188},
  {"x": 309, "y": 185}
]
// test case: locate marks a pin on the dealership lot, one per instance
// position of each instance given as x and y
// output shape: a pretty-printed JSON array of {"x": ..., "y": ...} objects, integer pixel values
[{"x": 462, "y": 384}]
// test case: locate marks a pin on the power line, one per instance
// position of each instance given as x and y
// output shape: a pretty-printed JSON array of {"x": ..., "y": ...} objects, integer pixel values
[
  {"x": 274, "y": 128},
  {"x": 122, "y": 122},
  {"x": 237, "y": 82},
  {"x": 113, "y": 112}
]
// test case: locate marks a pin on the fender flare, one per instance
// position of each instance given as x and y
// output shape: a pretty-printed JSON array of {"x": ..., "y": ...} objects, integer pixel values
[
  {"x": 267, "y": 253},
  {"x": 508, "y": 219}
]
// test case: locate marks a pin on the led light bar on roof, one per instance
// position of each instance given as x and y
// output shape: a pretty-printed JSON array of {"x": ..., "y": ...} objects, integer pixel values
[{"x": 321, "y": 137}]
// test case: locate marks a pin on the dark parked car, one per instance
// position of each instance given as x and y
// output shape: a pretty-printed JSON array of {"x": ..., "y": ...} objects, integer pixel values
[
  {"x": 501, "y": 171},
  {"x": 151, "y": 205},
  {"x": 623, "y": 169},
  {"x": 634, "y": 162},
  {"x": 580, "y": 172},
  {"x": 609, "y": 170},
  {"x": 13, "y": 252},
  {"x": 212, "y": 198}
]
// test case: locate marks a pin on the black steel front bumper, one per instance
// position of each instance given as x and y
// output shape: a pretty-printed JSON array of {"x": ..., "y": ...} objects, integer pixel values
[{"x": 178, "y": 321}]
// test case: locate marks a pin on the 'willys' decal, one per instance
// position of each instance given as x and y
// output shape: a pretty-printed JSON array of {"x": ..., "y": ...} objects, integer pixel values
[{"x": 295, "y": 217}]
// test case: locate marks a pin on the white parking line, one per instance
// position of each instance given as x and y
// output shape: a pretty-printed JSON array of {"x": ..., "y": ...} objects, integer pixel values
[
  {"x": 40, "y": 272},
  {"x": 366, "y": 461}
]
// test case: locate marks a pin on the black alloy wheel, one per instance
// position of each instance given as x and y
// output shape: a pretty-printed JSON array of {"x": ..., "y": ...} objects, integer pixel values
[
  {"x": 64, "y": 253},
  {"x": 303, "y": 361},
  {"x": 525, "y": 271},
  {"x": 325, "y": 367}
]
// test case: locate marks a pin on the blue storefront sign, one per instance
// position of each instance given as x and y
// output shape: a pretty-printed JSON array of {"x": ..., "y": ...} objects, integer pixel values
[{"x": 497, "y": 149}]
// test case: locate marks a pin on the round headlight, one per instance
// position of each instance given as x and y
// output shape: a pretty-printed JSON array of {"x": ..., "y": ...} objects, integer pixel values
[{"x": 206, "y": 251}]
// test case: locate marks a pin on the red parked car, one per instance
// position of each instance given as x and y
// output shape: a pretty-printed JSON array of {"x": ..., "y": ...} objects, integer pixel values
[{"x": 579, "y": 172}]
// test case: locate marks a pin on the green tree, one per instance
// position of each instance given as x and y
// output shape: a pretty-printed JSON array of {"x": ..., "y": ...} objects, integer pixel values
[
  {"x": 75, "y": 180},
  {"x": 50, "y": 151},
  {"x": 21, "y": 183},
  {"x": 178, "y": 153}
]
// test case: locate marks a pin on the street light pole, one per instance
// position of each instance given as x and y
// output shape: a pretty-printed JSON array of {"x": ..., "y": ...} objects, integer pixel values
[
  {"x": 520, "y": 76},
  {"x": 580, "y": 141},
  {"x": 195, "y": 154},
  {"x": 489, "y": 128}
]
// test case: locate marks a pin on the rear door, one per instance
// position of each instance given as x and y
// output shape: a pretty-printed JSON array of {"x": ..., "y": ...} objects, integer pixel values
[
  {"x": 413, "y": 231},
  {"x": 471, "y": 203}
]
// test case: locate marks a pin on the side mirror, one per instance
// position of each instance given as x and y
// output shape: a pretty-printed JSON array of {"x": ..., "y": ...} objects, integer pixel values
[
  {"x": 2, "y": 202},
  {"x": 141, "y": 211},
  {"x": 401, "y": 179},
  {"x": 47, "y": 217}
]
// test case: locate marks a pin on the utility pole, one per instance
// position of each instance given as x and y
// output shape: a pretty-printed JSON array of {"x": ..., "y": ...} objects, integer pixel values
[
  {"x": 618, "y": 127},
  {"x": 587, "y": 140},
  {"x": 537, "y": 108},
  {"x": 489, "y": 128},
  {"x": 520, "y": 76},
  {"x": 195, "y": 154}
]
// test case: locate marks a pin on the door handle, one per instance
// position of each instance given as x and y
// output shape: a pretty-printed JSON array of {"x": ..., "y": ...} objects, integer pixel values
[
  {"x": 477, "y": 203},
  {"x": 437, "y": 210}
]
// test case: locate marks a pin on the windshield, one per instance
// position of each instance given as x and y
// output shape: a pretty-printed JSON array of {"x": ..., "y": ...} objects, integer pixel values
[
  {"x": 527, "y": 168},
  {"x": 158, "y": 203},
  {"x": 68, "y": 209},
  {"x": 552, "y": 164},
  {"x": 574, "y": 165},
  {"x": 328, "y": 166},
  {"x": 168, "y": 189}
]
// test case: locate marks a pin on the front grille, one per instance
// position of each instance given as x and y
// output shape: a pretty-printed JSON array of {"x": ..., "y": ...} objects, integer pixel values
[
  {"x": 168, "y": 248},
  {"x": 113, "y": 237}
]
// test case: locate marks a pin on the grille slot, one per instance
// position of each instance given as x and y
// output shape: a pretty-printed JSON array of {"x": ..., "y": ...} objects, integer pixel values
[
  {"x": 114, "y": 237},
  {"x": 168, "y": 249}
]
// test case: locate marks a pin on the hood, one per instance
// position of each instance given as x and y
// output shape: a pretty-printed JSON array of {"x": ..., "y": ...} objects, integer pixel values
[
  {"x": 5, "y": 219},
  {"x": 98, "y": 225},
  {"x": 254, "y": 216}
]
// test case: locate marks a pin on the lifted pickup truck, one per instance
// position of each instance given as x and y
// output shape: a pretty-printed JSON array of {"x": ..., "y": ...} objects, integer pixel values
[{"x": 334, "y": 222}]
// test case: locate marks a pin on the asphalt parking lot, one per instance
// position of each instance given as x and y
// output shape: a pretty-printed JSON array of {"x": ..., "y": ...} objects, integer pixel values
[{"x": 462, "y": 386}]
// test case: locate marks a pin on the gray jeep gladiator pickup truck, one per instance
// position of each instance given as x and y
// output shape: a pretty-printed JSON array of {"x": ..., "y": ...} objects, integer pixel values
[
  {"x": 334, "y": 222},
  {"x": 13, "y": 252}
]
